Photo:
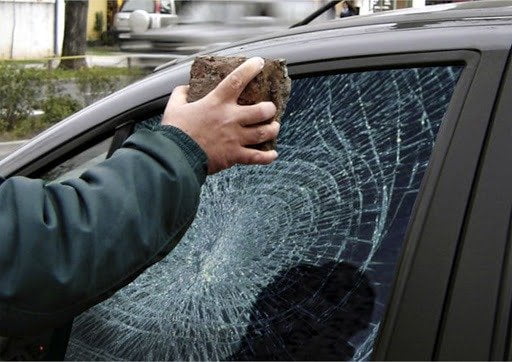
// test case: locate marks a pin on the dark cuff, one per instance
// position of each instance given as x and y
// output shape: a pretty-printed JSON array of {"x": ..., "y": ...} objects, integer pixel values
[{"x": 193, "y": 153}]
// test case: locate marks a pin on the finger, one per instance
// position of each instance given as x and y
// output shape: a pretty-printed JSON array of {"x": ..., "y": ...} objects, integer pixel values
[
  {"x": 259, "y": 134},
  {"x": 249, "y": 156},
  {"x": 179, "y": 95},
  {"x": 257, "y": 113},
  {"x": 237, "y": 80}
]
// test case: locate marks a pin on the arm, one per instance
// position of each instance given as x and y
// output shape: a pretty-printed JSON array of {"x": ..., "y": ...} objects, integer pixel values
[{"x": 68, "y": 246}]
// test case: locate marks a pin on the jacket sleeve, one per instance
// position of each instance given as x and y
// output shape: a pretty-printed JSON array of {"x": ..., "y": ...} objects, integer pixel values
[{"x": 67, "y": 246}]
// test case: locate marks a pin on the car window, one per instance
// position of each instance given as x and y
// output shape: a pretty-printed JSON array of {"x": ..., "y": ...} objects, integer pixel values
[
  {"x": 76, "y": 165},
  {"x": 295, "y": 260}
]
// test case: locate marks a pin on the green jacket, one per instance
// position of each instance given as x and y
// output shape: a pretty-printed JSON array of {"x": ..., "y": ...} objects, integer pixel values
[{"x": 67, "y": 246}]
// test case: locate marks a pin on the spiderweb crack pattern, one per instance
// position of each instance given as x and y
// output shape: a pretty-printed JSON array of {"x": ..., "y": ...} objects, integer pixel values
[{"x": 262, "y": 255}]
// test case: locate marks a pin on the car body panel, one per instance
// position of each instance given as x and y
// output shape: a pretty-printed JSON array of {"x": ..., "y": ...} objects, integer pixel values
[
  {"x": 481, "y": 281},
  {"x": 496, "y": 180}
]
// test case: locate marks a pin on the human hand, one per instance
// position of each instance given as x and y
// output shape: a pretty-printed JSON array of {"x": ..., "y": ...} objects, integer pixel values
[{"x": 221, "y": 127}]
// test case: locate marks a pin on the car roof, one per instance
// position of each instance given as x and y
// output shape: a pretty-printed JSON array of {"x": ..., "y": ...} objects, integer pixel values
[
  {"x": 464, "y": 12},
  {"x": 417, "y": 17}
]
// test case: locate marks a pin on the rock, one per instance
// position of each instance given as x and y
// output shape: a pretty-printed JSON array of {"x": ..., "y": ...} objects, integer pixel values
[{"x": 272, "y": 84}]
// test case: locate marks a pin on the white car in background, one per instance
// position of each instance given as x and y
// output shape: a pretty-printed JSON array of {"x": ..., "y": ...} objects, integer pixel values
[
  {"x": 141, "y": 15},
  {"x": 206, "y": 24}
]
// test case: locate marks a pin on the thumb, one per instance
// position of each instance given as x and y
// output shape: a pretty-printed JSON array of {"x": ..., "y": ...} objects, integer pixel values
[{"x": 179, "y": 96}]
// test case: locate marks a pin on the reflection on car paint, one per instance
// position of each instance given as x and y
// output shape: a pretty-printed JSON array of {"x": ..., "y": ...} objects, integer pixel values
[{"x": 294, "y": 260}]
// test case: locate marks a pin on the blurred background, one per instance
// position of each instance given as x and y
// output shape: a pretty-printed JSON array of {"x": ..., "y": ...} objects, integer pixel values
[
  {"x": 58, "y": 56},
  {"x": 36, "y": 28}
]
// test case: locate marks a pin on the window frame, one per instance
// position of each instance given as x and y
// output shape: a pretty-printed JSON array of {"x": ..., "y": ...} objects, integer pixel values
[
  {"x": 399, "y": 337},
  {"x": 414, "y": 240},
  {"x": 424, "y": 279},
  {"x": 425, "y": 272},
  {"x": 420, "y": 215},
  {"x": 482, "y": 285}
]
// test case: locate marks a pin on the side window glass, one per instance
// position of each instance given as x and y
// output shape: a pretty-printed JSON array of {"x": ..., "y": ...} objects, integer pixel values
[
  {"x": 79, "y": 163},
  {"x": 292, "y": 261}
]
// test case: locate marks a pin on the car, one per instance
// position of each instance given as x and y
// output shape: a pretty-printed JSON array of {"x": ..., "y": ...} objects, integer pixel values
[
  {"x": 141, "y": 15},
  {"x": 208, "y": 24},
  {"x": 381, "y": 232}
]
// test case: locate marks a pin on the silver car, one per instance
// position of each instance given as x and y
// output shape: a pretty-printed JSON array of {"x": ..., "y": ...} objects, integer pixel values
[
  {"x": 208, "y": 24},
  {"x": 141, "y": 15}
]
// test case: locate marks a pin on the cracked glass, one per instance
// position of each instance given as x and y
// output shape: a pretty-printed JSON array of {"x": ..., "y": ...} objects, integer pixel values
[{"x": 292, "y": 261}]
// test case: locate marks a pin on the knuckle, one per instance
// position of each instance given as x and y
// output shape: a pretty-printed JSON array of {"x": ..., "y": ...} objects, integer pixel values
[
  {"x": 233, "y": 139},
  {"x": 263, "y": 113},
  {"x": 261, "y": 134},
  {"x": 232, "y": 118},
  {"x": 211, "y": 100},
  {"x": 235, "y": 81},
  {"x": 256, "y": 158}
]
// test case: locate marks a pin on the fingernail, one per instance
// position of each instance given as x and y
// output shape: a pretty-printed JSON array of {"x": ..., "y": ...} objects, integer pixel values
[{"x": 260, "y": 61}]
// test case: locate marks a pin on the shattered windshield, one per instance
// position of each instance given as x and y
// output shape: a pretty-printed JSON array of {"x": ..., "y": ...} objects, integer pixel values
[{"x": 292, "y": 261}]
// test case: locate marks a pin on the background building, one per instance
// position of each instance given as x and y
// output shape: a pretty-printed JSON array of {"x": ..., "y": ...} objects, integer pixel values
[
  {"x": 31, "y": 28},
  {"x": 104, "y": 10}
]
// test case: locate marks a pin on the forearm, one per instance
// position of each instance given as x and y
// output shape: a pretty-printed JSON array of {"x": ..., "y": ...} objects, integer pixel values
[{"x": 67, "y": 246}]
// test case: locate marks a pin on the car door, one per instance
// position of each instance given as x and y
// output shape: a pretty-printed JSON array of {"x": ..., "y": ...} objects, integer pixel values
[{"x": 338, "y": 203}]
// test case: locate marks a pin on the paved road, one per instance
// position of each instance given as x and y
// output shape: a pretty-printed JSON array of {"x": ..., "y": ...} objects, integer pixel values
[{"x": 7, "y": 147}]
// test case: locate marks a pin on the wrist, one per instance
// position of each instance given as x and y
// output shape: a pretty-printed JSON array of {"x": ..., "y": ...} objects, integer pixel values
[{"x": 193, "y": 152}]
